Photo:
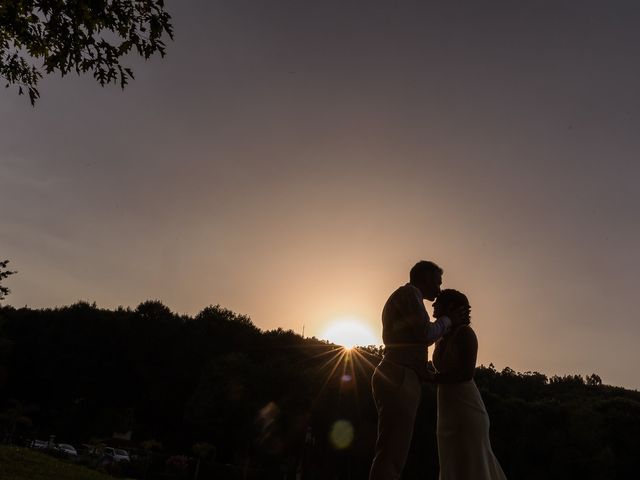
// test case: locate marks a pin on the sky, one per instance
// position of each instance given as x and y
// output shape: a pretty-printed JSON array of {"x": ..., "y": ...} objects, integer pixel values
[{"x": 292, "y": 160}]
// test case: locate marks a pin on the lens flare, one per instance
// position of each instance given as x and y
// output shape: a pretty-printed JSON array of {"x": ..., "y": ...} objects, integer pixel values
[{"x": 341, "y": 434}]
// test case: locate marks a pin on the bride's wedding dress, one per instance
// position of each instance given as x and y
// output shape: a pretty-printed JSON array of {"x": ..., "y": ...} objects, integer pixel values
[{"x": 464, "y": 448}]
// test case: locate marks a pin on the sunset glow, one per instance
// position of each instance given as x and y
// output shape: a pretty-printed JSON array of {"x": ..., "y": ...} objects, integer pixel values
[
  {"x": 301, "y": 175},
  {"x": 349, "y": 332}
]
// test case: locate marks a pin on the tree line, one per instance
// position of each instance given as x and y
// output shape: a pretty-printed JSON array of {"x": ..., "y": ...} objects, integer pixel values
[{"x": 273, "y": 402}]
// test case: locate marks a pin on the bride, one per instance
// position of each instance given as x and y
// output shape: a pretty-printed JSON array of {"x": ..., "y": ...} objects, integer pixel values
[{"x": 464, "y": 448}]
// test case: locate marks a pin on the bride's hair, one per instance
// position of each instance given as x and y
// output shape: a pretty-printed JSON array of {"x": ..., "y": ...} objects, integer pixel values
[{"x": 450, "y": 298}]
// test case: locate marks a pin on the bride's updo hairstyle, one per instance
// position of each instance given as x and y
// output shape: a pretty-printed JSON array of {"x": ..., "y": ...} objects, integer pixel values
[{"x": 449, "y": 299}]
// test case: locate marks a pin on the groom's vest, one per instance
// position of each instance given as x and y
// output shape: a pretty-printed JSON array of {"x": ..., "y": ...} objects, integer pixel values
[{"x": 404, "y": 328}]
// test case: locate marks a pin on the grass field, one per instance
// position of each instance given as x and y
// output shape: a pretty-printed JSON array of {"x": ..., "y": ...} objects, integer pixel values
[{"x": 23, "y": 464}]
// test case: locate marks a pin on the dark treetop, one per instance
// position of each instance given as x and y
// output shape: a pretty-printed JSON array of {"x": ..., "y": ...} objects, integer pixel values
[{"x": 77, "y": 35}]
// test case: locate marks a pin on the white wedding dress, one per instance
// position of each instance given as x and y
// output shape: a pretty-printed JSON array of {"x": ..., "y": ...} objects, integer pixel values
[{"x": 464, "y": 448}]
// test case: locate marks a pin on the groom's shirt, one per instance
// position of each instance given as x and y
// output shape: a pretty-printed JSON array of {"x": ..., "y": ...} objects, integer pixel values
[{"x": 406, "y": 329}]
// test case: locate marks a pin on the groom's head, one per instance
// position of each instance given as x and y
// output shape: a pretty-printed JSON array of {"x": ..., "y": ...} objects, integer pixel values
[{"x": 427, "y": 277}]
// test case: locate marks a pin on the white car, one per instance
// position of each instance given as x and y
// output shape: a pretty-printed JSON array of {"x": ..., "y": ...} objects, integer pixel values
[
  {"x": 41, "y": 444},
  {"x": 116, "y": 454},
  {"x": 66, "y": 448}
]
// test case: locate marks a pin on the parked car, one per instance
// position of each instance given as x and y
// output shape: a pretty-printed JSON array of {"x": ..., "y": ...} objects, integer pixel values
[
  {"x": 116, "y": 454},
  {"x": 41, "y": 444},
  {"x": 87, "y": 449},
  {"x": 67, "y": 449}
]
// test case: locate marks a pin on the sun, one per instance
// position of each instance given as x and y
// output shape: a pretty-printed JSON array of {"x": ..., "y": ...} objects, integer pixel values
[{"x": 349, "y": 332}]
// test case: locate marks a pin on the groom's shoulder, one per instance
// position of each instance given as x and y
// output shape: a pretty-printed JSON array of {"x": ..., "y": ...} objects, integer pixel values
[{"x": 406, "y": 289}]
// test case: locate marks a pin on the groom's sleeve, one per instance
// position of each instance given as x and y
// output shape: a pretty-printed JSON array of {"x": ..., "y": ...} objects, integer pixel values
[
  {"x": 424, "y": 331},
  {"x": 437, "y": 329}
]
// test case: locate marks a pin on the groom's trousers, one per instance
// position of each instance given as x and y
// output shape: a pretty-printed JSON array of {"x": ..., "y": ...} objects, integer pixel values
[{"x": 396, "y": 391}]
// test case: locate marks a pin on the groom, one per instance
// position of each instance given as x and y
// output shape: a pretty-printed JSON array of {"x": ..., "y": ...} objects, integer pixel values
[{"x": 396, "y": 382}]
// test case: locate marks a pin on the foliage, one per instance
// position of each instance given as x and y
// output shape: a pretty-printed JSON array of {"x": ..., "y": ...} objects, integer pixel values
[
  {"x": 77, "y": 36},
  {"x": 178, "y": 462},
  {"x": 4, "y": 273},
  {"x": 151, "y": 445},
  {"x": 204, "y": 450},
  {"x": 15, "y": 418}
]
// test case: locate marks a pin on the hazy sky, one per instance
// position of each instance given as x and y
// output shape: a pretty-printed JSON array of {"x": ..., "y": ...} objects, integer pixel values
[{"x": 292, "y": 160}]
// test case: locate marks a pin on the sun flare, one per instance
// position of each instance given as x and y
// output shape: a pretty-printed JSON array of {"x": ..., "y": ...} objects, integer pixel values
[{"x": 349, "y": 332}]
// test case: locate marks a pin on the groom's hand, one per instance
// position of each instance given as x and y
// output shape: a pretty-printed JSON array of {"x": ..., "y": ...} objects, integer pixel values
[
  {"x": 460, "y": 315},
  {"x": 426, "y": 376}
]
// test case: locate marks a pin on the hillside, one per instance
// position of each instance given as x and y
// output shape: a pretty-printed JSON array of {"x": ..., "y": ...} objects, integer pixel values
[{"x": 24, "y": 464}]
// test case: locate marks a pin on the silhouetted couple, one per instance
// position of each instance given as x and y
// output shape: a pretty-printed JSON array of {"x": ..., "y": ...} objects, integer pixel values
[{"x": 464, "y": 449}]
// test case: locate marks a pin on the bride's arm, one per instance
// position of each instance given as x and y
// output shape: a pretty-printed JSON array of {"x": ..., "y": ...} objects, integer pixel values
[{"x": 466, "y": 345}]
